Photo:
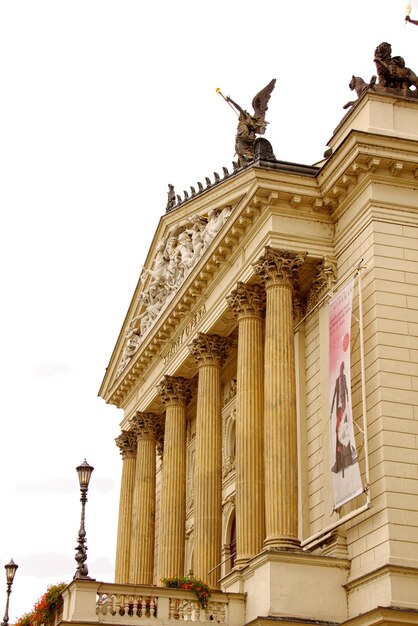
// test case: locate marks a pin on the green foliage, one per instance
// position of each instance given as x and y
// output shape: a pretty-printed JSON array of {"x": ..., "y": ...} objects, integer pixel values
[
  {"x": 45, "y": 608},
  {"x": 200, "y": 588}
]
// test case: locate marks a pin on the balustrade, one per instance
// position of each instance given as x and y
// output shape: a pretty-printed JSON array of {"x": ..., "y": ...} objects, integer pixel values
[{"x": 89, "y": 601}]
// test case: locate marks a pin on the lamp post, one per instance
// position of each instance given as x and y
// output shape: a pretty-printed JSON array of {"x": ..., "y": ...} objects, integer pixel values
[
  {"x": 10, "y": 574},
  {"x": 84, "y": 472}
]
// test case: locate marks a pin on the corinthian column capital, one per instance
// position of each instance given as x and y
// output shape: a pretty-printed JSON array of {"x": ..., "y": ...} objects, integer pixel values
[
  {"x": 176, "y": 390},
  {"x": 279, "y": 267},
  {"x": 210, "y": 349},
  {"x": 144, "y": 425},
  {"x": 299, "y": 306},
  {"x": 127, "y": 443},
  {"x": 324, "y": 280},
  {"x": 247, "y": 300}
]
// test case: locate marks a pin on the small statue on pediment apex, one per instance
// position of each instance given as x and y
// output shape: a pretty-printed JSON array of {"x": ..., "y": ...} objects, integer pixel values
[
  {"x": 392, "y": 71},
  {"x": 171, "y": 198},
  {"x": 250, "y": 125}
]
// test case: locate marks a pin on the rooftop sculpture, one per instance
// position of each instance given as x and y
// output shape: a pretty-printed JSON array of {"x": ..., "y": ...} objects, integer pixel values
[
  {"x": 250, "y": 125},
  {"x": 392, "y": 74},
  {"x": 391, "y": 71}
]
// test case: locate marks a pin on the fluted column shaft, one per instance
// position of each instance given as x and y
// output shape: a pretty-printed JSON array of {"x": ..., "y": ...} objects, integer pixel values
[
  {"x": 127, "y": 443},
  {"x": 209, "y": 352},
  {"x": 278, "y": 271},
  {"x": 247, "y": 302},
  {"x": 176, "y": 393},
  {"x": 143, "y": 509}
]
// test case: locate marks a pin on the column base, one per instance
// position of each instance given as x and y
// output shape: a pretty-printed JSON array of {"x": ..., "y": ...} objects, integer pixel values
[{"x": 282, "y": 544}]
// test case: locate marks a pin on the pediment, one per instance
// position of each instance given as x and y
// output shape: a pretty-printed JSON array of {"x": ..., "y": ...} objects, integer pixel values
[{"x": 181, "y": 243}]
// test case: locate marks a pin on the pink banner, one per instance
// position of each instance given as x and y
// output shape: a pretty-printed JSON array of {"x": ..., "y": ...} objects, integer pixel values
[{"x": 345, "y": 471}]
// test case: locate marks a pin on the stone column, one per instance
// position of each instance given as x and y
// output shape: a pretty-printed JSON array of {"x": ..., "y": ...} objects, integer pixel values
[
  {"x": 126, "y": 443},
  {"x": 210, "y": 352},
  {"x": 247, "y": 302},
  {"x": 278, "y": 270},
  {"x": 141, "y": 567},
  {"x": 176, "y": 393}
]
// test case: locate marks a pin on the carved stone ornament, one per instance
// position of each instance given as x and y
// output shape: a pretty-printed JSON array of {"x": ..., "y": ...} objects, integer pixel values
[
  {"x": 263, "y": 150},
  {"x": 144, "y": 425},
  {"x": 247, "y": 300},
  {"x": 176, "y": 390},
  {"x": 175, "y": 257},
  {"x": 228, "y": 467},
  {"x": 232, "y": 391},
  {"x": 210, "y": 349},
  {"x": 127, "y": 443},
  {"x": 299, "y": 306},
  {"x": 325, "y": 279},
  {"x": 279, "y": 267}
]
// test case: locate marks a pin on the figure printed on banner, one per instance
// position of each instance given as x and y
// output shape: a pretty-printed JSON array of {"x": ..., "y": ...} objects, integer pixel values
[
  {"x": 344, "y": 466},
  {"x": 345, "y": 451}
]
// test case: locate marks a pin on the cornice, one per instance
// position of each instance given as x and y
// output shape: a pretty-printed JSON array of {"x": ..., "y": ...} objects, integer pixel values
[
  {"x": 384, "y": 616},
  {"x": 363, "y": 157},
  {"x": 384, "y": 570}
]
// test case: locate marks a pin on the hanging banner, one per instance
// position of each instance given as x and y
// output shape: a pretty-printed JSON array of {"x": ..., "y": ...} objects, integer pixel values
[{"x": 345, "y": 471}]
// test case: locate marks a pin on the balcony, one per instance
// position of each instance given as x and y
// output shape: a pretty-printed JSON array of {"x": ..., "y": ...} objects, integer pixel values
[{"x": 92, "y": 602}]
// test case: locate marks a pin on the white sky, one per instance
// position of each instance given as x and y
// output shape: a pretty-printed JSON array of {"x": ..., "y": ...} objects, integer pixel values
[{"x": 103, "y": 103}]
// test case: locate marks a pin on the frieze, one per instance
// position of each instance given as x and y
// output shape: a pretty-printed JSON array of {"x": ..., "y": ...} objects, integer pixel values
[
  {"x": 175, "y": 257},
  {"x": 192, "y": 322}
]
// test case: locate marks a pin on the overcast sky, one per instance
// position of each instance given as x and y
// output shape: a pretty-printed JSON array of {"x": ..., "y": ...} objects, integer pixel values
[{"x": 103, "y": 103}]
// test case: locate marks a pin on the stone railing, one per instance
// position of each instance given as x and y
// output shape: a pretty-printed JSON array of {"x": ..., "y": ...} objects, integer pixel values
[{"x": 89, "y": 601}]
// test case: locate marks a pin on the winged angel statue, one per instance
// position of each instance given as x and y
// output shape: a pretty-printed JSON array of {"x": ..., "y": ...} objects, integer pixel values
[{"x": 251, "y": 125}]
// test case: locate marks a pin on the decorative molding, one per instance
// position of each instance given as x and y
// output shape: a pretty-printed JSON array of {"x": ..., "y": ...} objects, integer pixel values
[
  {"x": 149, "y": 426},
  {"x": 247, "y": 300},
  {"x": 326, "y": 277},
  {"x": 210, "y": 349},
  {"x": 176, "y": 390},
  {"x": 299, "y": 306},
  {"x": 127, "y": 443},
  {"x": 279, "y": 267},
  {"x": 232, "y": 392},
  {"x": 175, "y": 258}
]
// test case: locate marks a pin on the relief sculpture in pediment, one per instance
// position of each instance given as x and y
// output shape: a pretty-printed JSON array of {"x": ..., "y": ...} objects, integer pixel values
[{"x": 175, "y": 257}]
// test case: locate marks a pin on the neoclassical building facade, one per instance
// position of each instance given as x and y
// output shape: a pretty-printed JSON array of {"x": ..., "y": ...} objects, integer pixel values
[{"x": 221, "y": 369}]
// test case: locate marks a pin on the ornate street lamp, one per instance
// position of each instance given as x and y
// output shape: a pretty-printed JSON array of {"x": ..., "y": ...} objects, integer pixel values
[
  {"x": 10, "y": 574},
  {"x": 84, "y": 472}
]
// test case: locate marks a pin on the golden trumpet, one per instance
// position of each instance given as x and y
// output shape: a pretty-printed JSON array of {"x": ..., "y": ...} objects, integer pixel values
[{"x": 218, "y": 90}]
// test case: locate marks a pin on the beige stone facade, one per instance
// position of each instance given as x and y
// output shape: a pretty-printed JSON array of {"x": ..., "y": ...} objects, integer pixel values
[{"x": 223, "y": 381}]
